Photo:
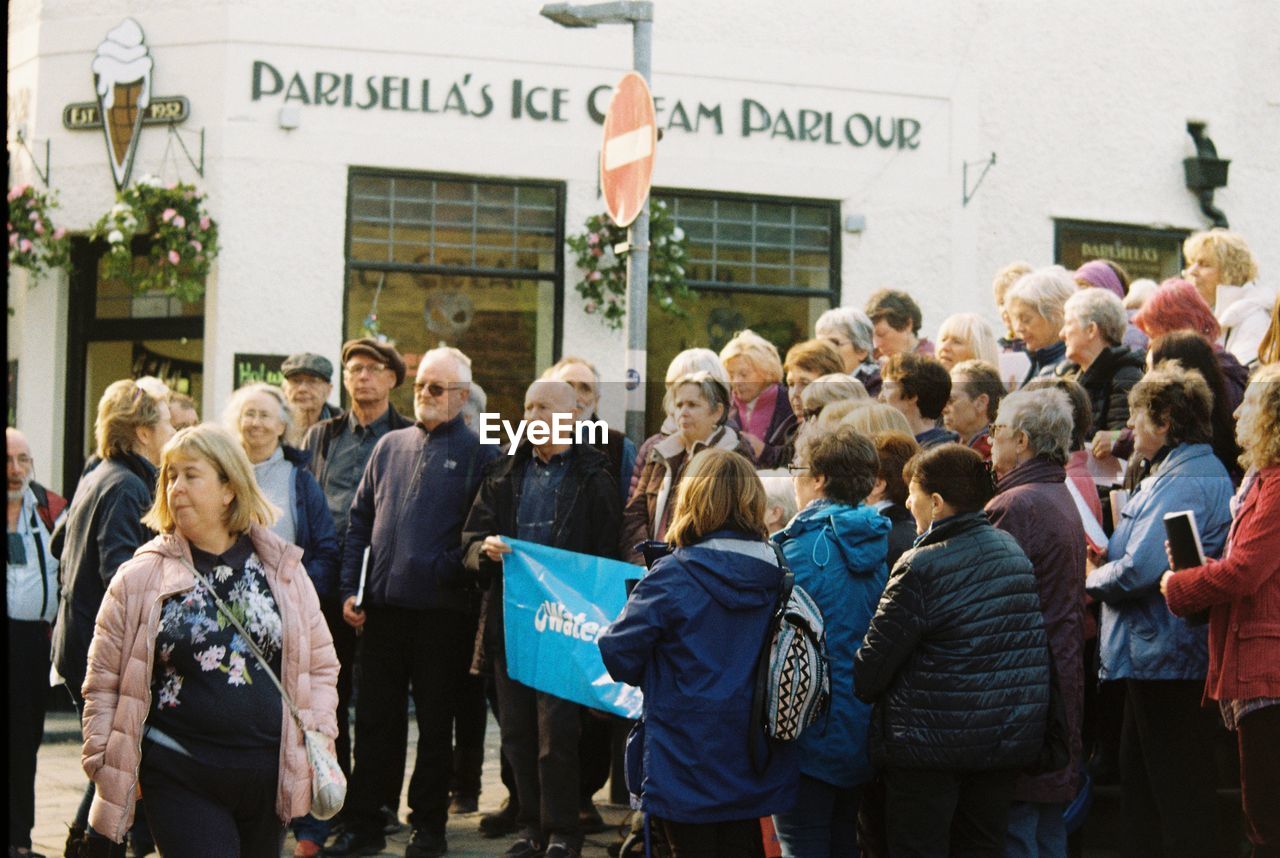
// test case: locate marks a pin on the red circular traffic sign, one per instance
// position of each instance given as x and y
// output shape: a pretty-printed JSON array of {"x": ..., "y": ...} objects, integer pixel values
[{"x": 630, "y": 139}]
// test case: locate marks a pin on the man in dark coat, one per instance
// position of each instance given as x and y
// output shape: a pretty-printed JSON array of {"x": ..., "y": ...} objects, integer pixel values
[{"x": 562, "y": 495}]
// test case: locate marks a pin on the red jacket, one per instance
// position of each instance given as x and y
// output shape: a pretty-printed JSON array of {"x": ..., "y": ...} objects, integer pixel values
[{"x": 1242, "y": 591}]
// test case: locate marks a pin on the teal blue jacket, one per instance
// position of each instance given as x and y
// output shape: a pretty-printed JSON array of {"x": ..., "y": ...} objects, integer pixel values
[{"x": 837, "y": 553}]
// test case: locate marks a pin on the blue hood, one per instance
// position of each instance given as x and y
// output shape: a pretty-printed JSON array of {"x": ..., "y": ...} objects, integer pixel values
[
  {"x": 859, "y": 535},
  {"x": 739, "y": 571}
]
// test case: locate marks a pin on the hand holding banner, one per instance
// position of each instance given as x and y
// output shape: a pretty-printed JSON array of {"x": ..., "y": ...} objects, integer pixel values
[{"x": 555, "y": 604}]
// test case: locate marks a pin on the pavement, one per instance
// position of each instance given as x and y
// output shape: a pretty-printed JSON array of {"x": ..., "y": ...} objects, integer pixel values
[{"x": 60, "y": 784}]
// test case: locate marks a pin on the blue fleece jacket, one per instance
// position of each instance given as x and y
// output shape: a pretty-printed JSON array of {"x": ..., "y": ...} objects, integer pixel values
[
  {"x": 837, "y": 553},
  {"x": 410, "y": 506}
]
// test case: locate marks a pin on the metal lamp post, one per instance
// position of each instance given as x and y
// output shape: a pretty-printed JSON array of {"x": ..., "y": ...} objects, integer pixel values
[{"x": 638, "y": 13}]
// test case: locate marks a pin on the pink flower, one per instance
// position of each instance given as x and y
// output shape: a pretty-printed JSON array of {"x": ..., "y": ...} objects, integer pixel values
[
  {"x": 197, "y": 245},
  {"x": 168, "y": 215},
  {"x": 595, "y": 251},
  {"x": 174, "y": 257},
  {"x": 594, "y": 276},
  {"x": 591, "y": 307},
  {"x": 171, "y": 186},
  {"x": 13, "y": 239},
  {"x": 25, "y": 245},
  {"x": 593, "y": 239},
  {"x": 17, "y": 191},
  {"x": 60, "y": 233},
  {"x": 179, "y": 221},
  {"x": 39, "y": 228},
  {"x": 34, "y": 216},
  {"x": 204, "y": 223}
]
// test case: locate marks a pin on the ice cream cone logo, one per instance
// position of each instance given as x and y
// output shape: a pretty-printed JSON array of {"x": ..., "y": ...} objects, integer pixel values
[{"x": 122, "y": 77}]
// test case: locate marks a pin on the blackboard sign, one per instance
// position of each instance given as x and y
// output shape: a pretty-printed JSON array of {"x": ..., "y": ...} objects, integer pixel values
[{"x": 254, "y": 368}]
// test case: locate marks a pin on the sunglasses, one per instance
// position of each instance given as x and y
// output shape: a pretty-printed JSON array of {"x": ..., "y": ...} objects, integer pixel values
[{"x": 436, "y": 390}]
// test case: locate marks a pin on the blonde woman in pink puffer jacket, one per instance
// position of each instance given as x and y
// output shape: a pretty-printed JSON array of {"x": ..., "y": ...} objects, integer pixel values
[{"x": 175, "y": 702}]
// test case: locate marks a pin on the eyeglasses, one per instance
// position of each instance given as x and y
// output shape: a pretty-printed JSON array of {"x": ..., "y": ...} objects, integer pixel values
[
  {"x": 362, "y": 368},
  {"x": 795, "y": 469},
  {"x": 436, "y": 390},
  {"x": 22, "y": 459}
]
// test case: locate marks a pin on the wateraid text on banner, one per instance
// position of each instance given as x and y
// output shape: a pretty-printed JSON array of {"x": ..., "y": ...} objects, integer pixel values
[{"x": 555, "y": 605}]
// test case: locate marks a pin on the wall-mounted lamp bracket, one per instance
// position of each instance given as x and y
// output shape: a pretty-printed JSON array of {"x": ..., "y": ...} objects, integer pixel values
[
  {"x": 969, "y": 193},
  {"x": 21, "y": 137},
  {"x": 174, "y": 134}
]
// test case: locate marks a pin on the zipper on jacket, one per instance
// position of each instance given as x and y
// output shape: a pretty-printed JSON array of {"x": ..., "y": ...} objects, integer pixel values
[{"x": 131, "y": 799}]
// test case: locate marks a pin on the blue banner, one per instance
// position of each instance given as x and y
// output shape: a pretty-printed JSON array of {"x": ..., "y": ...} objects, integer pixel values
[{"x": 555, "y": 604}]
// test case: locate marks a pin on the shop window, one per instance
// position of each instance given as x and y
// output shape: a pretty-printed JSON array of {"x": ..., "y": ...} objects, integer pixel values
[
  {"x": 1143, "y": 252},
  {"x": 766, "y": 264},
  {"x": 471, "y": 263}
]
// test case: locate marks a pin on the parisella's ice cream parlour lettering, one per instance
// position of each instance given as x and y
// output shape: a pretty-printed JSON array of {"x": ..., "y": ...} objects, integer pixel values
[{"x": 470, "y": 97}]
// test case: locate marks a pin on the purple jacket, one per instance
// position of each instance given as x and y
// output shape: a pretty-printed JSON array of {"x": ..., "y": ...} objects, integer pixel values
[{"x": 1034, "y": 506}]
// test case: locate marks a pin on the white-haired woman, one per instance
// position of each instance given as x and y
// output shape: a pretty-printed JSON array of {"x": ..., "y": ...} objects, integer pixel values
[
  {"x": 760, "y": 403},
  {"x": 1035, "y": 308},
  {"x": 967, "y": 336},
  {"x": 701, "y": 409},
  {"x": 851, "y": 332},
  {"x": 176, "y": 702},
  {"x": 259, "y": 416},
  {"x": 828, "y": 390},
  {"x": 1093, "y": 328},
  {"x": 685, "y": 363}
]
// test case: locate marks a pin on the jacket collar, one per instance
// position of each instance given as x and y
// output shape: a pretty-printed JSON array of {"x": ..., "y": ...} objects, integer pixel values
[
  {"x": 953, "y": 526},
  {"x": 449, "y": 427},
  {"x": 670, "y": 447},
  {"x": 1048, "y": 355},
  {"x": 271, "y": 549},
  {"x": 1038, "y": 470}
]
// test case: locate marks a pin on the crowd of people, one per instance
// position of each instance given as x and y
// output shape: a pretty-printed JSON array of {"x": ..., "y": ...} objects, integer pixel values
[{"x": 980, "y": 523}]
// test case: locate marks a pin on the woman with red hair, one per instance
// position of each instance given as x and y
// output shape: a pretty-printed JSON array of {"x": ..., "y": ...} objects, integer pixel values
[{"x": 1178, "y": 306}]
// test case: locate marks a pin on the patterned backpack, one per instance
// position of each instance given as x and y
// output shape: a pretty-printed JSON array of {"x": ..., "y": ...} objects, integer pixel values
[{"x": 793, "y": 683}]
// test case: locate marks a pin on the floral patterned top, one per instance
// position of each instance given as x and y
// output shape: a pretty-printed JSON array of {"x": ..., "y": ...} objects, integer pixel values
[{"x": 209, "y": 692}]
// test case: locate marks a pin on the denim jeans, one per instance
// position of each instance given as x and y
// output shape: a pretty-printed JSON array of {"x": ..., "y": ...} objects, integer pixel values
[
  {"x": 823, "y": 823},
  {"x": 1036, "y": 830}
]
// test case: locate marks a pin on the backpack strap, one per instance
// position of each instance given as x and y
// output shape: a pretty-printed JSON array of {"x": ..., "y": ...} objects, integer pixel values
[{"x": 755, "y": 732}]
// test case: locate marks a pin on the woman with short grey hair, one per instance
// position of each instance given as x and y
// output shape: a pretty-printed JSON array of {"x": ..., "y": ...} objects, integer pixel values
[
  {"x": 1030, "y": 443},
  {"x": 1093, "y": 330},
  {"x": 850, "y": 331},
  {"x": 1035, "y": 309}
]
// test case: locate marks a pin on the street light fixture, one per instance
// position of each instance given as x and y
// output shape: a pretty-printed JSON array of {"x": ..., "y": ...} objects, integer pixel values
[{"x": 638, "y": 13}]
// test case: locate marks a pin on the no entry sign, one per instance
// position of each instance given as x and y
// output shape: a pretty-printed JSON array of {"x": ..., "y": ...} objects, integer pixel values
[{"x": 630, "y": 138}]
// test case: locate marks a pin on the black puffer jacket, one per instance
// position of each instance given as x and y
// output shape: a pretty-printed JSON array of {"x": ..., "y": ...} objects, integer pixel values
[
  {"x": 1108, "y": 381},
  {"x": 956, "y": 660}
]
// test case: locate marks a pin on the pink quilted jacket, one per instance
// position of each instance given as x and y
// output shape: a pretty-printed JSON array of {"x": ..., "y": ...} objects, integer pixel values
[{"x": 117, "y": 688}]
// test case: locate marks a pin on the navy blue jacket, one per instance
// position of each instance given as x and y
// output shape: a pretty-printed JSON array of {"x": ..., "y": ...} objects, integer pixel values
[
  {"x": 410, "y": 506},
  {"x": 313, "y": 525},
  {"x": 837, "y": 553},
  {"x": 689, "y": 637}
]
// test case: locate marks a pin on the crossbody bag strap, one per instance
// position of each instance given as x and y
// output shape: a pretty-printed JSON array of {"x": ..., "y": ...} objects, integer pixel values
[{"x": 249, "y": 641}]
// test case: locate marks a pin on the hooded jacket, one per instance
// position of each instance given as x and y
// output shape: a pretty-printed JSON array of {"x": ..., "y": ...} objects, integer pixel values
[
  {"x": 1140, "y": 638},
  {"x": 837, "y": 553},
  {"x": 1245, "y": 314},
  {"x": 689, "y": 637},
  {"x": 1035, "y": 507},
  {"x": 956, "y": 660},
  {"x": 117, "y": 688}
]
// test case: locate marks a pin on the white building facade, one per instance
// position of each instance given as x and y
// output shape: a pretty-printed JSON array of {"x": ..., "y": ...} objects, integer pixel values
[{"x": 422, "y": 162}]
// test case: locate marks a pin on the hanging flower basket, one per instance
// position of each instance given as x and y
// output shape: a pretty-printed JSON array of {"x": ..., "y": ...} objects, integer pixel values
[
  {"x": 34, "y": 243},
  {"x": 604, "y": 273},
  {"x": 180, "y": 238}
]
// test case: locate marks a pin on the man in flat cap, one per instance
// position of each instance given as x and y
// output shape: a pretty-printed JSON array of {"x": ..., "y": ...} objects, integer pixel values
[
  {"x": 308, "y": 381},
  {"x": 340, "y": 447}
]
